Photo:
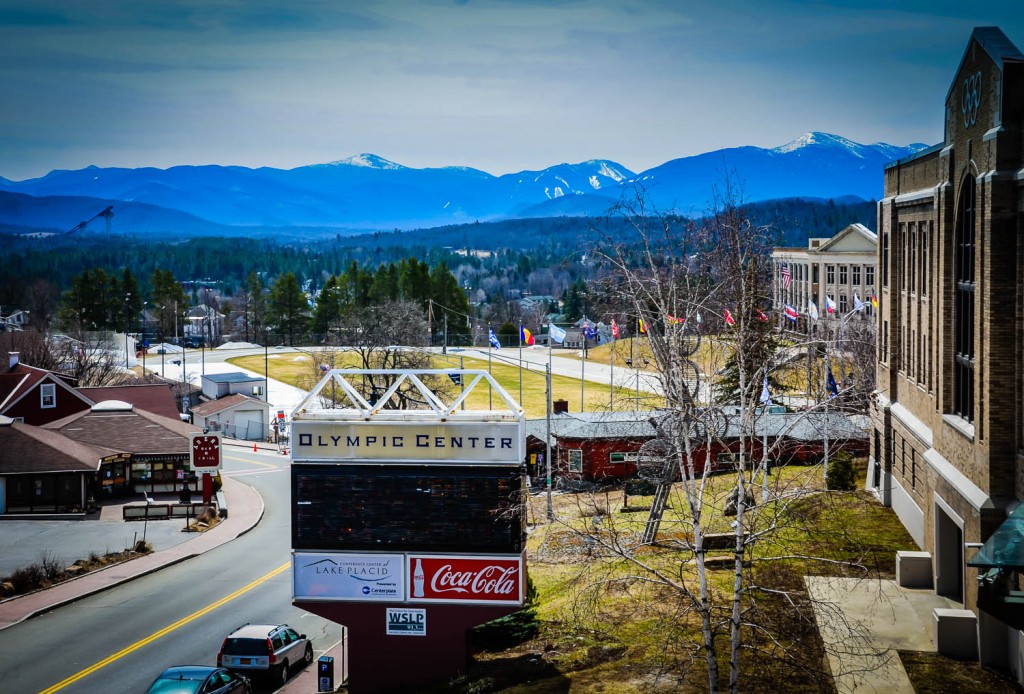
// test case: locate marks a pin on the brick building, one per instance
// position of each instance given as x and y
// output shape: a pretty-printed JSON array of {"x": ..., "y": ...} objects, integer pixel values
[{"x": 948, "y": 441}]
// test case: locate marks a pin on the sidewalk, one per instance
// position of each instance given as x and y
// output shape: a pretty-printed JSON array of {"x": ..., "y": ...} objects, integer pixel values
[
  {"x": 245, "y": 508},
  {"x": 864, "y": 622}
]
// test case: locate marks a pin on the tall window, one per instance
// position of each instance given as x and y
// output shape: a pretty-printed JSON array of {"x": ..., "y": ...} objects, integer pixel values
[
  {"x": 842, "y": 275},
  {"x": 926, "y": 255},
  {"x": 830, "y": 274},
  {"x": 885, "y": 259},
  {"x": 963, "y": 302},
  {"x": 856, "y": 276},
  {"x": 911, "y": 261},
  {"x": 869, "y": 278}
]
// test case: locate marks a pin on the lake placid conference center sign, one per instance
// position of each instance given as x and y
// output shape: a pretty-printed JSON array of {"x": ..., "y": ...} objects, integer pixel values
[{"x": 449, "y": 442}]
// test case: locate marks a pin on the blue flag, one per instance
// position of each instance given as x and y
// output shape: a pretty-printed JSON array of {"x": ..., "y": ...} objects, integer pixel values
[
  {"x": 493, "y": 338},
  {"x": 831, "y": 386}
]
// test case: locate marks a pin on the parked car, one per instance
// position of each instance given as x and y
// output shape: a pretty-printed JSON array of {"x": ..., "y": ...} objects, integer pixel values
[
  {"x": 265, "y": 649},
  {"x": 199, "y": 679}
]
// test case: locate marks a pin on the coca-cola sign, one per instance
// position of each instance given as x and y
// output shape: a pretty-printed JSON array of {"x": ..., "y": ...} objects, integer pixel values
[{"x": 489, "y": 580}]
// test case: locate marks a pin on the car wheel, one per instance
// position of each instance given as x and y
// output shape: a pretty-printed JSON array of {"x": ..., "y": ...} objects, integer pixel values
[
  {"x": 307, "y": 657},
  {"x": 282, "y": 675}
]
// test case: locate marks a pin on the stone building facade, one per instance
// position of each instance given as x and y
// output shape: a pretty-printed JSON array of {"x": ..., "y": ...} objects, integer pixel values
[
  {"x": 840, "y": 268},
  {"x": 948, "y": 442}
]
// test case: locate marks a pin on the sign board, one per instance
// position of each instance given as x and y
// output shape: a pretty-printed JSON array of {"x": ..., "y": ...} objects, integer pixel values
[
  {"x": 357, "y": 577},
  {"x": 406, "y": 621},
  {"x": 465, "y": 580},
  {"x": 402, "y": 442},
  {"x": 204, "y": 453}
]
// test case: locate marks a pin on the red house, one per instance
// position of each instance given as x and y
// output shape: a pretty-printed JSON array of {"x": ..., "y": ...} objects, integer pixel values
[{"x": 605, "y": 446}]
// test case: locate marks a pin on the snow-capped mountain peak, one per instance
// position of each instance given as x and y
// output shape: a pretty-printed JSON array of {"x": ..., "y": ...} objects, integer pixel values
[
  {"x": 368, "y": 161},
  {"x": 822, "y": 139}
]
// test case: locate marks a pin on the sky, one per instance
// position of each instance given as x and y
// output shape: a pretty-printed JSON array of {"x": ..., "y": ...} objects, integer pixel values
[{"x": 497, "y": 85}]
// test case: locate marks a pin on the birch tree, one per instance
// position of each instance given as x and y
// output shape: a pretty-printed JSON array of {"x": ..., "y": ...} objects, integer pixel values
[{"x": 703, "y": 292}]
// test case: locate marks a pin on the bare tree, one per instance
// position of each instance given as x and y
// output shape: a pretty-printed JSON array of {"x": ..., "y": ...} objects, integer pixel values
[
  {"x": 391, "y": 336},
  {"x": 703, "y": 290}
]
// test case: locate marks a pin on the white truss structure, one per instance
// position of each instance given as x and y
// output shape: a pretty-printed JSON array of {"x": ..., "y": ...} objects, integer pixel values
[{"x": 356, "y": 407}]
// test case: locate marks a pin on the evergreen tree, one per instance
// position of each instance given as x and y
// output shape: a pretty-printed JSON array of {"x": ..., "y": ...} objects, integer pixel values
[
  {"x": 451, "y": 306},
  {"x": 288, "y": 307},
  {"x": 169, "y": 299},
  {"x": 327, "y": 312},
  {"x": 256, "y": 305}
]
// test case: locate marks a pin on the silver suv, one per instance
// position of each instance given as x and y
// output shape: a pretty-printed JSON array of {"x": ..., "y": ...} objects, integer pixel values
[{"x": 267, "y": 648}]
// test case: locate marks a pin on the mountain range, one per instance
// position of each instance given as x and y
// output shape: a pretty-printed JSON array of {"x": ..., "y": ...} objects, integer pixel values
[{"x": 367, "y": 192}]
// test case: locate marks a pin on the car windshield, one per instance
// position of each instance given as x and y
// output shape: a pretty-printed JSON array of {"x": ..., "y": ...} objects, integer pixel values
[
  {"x": 245, "y": 647},
  {"x": 175, "y": 686}
]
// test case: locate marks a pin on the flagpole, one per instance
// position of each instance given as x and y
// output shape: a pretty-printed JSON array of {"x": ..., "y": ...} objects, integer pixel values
[
  {"x": 583, "y": 370},
  {"x": 490, "y": 390},
  {"x": 611, "y": 377},
  {"x": 520, "y": 363},
  {"x": 547, "y": 439}
]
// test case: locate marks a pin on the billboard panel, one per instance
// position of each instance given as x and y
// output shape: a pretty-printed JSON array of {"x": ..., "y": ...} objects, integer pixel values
[
  {"x": 336, "y": 576},
  {"x": 450, "y": 443},
  {"x": 465, "y": 580},
  {"x": 407, "y": 508}
]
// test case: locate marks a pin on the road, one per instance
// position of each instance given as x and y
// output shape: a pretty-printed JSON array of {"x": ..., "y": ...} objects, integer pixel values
[{"x": 119, "y": 640}]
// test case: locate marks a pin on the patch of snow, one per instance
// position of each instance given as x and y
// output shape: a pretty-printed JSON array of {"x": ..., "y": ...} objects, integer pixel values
[
  {"x": 558, "y": 191},
  {"x": 547, "y": 192},
  {"x": 595, "y": 183},
  {"x": 564, "y": 182},
  {"x": 446, "y": 205},
  {"x": 609, "y": 172},
  {"x": 239, "y": 345},
  {"x": 369, "y": 161}
]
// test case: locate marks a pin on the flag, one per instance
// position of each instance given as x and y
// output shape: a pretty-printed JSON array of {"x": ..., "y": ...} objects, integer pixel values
[
  {"x": 791, "y": 313},
  {"x": 555, "y": 333},
  {"x": 493, "y": 338},
  {"x": 590, "y": 331},
  {"x": 615, "y": 329},
  {"x": 672, "y": 320},
  {"x": 766, "y": 397},
  {"x": 874, "y": 300},
  {"x": 729, "y": 320},
  {"x": 700, "y": 319},
  {"x": 641, "y": 326},
  {"x": 858, "y": 305},
  {"x": 831, "y": 386},
  {"x": 761, "y": 315},
  {"x": 812, "y": 310},
  {"x": 525, "y": 336},
  {"x": 456, "y": 379},
  {"x": 830, "y": 305},
  {"x": 787, "y": 278}
]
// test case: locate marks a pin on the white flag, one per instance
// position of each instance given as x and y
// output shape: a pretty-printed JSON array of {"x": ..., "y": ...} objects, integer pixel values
[
  {"x": 857, "y": 303},
  {"x": 555, "y": 333},
  {"x": 812, "y": 310},
  {"x": 766, "y": 397}
]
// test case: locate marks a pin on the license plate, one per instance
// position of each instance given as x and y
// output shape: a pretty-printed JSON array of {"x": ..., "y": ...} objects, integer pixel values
[{"x": 244, "y": 661}]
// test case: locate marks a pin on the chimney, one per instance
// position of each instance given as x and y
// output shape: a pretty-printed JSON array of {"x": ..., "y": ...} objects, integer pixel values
[
  {"x": 560, "y": 407},
  {"x": 13, "y": 360}
]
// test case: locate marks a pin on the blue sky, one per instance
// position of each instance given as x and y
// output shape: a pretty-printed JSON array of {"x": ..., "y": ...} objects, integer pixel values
[{"x": 496, "y": 85}]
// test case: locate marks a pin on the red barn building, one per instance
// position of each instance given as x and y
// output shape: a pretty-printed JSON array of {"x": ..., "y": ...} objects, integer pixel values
[{"x": 604, "y": 446}]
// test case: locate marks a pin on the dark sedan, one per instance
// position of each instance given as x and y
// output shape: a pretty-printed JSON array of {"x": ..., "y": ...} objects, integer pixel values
[{"x": 199, "y": 679}]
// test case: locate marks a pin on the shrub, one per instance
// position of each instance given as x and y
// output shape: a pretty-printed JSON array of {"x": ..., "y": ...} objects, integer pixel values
[
  {"x": 50, "y": 566},
  {"x": 27, "y": 578},
  {"x": 841, "y": 474}
]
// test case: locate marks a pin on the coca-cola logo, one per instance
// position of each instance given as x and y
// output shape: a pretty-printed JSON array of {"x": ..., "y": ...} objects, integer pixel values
[{"x": 463, "y": 579}]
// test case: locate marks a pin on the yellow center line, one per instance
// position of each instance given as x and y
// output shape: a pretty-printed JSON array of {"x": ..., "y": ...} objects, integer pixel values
[
  {"x": 246, "y": 460},
  {"x": 165, "y": 631}
]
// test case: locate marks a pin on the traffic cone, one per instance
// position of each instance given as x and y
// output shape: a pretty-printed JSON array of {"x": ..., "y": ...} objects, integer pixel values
[{"x": 254, "y": 449}]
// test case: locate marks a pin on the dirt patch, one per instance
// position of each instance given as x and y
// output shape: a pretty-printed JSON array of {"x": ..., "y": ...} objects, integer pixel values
[{"x": 931, "y": 672}]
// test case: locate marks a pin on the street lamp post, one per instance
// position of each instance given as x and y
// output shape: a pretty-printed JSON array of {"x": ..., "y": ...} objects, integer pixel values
[
  {"x": 266, "y": 367},
  {"x": 127, "y": 325}
]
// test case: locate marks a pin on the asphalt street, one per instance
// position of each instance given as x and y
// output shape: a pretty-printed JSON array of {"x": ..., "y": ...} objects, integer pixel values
[{"x": 120, "y": 639}]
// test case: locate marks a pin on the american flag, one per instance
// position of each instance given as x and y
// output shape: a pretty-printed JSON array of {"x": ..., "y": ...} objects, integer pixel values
[{"x": 787, "y": 279}]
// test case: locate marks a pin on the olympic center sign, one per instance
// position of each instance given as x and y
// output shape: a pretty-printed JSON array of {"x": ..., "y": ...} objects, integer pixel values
[{"x": 404, "y": 442}]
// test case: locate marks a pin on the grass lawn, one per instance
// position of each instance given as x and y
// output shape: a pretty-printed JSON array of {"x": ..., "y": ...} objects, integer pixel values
[
  {"x": 606, "y": 627},
  {"x": 299, "y": 370}
]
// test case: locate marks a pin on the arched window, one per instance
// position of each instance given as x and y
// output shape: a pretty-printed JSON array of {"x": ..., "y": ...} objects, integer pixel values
[{"x": 963, "y": 302}]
